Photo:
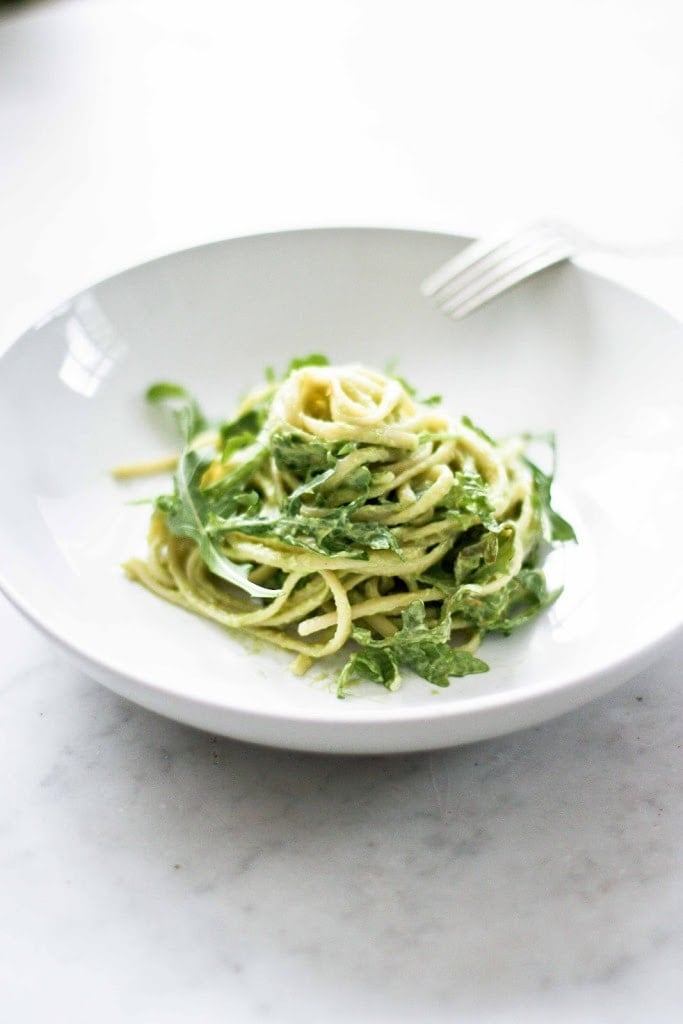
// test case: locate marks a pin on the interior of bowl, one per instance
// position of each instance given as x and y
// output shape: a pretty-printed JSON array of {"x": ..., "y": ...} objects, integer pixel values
[{"x": 566, "y": 352}]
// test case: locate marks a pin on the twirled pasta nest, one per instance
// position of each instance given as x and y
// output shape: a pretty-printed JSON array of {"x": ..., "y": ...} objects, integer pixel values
[{"x": 335, "y": 506}]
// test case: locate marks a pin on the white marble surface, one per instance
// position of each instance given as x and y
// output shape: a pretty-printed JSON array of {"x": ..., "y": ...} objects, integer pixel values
[{"x": 149, "y": 872}]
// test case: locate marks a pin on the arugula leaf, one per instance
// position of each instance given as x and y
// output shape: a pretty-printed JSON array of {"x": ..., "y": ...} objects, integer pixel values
[
  {"x": 410, "y": 390},
  {"x": 376, "y": 664},
  {"x": 298, "y": 455},
  {"x": 315, "y": 359},
  {"x": 304, "y": 458},
  {"x": 236, "y": 443},
  {"x": 243, "y": 430},
  {"x": 358, "y": 481},
  {"x": 294, "y": 502},
  {"x": 555, "y": 527},
  {"x": 472, "y": 558},
  {"x": 331, "y": 534},
  {"x": 191, "y": 510},
  {"x": 466, "y": 421},
  {"x": 485, "y": 558},
  {"x": 230, "y": 510},
  {"x": 423, "y": 648},
  {"x": 189, "y": 417},
  {"x": 205, "y": 514},
  {"x": 346, "y": 448},
  {"x": 468, "y": 499},
  {"x": 506, "y": 609}
]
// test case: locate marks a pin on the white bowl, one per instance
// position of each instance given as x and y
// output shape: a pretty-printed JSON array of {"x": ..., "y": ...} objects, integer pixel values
[{"x": 566, "y": 352}]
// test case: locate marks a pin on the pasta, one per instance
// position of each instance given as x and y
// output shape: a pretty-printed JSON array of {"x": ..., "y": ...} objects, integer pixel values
[{"x": 335, "y": 507}]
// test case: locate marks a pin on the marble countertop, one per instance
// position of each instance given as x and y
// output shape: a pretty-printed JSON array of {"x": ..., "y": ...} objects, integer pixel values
[{"x": 150, "y": 872}]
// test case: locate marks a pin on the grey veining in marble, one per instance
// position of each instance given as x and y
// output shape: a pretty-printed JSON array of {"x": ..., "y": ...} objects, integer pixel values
[{"x": 151, "y": 872}]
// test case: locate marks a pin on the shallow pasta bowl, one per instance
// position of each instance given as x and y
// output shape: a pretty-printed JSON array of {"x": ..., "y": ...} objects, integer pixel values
[{"x": 569, "y": 352}]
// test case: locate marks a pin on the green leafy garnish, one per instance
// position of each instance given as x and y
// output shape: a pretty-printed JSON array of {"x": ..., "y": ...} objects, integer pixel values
[
  {"x": 190, "y": 511},
  {"x": 330, "y": 535},
  {"x": 301, "y": 456},
  {"x": 189, "y": 417},
  {"x": 236, "y": 443},
  {"x": 410, "y": 390},
  {"x": 467, "y": 422},
  {"x": 556, "y": 528},
  {"x": 208, "y": 513},
  {"x": 418, "y": 645},
  {"x": 485, "y": 558},
  {"x": 316, "y": 359},
  {"x": 312, "y": 525},
  {"x": 506, "y": 609},
  {"x": 378, "y": 664},
  {"x": 244, "y": 429},
  {"x": 468, "y": 501}
]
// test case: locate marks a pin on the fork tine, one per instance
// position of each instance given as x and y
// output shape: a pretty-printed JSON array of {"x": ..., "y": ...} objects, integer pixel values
[
  {"x": 470, "y": 255},
  {"x": 499, "y": 264},
  {"x": 499, "y": 260},
  {"x": 488, "y": 286},
  {"x": 485, "y": 251}
]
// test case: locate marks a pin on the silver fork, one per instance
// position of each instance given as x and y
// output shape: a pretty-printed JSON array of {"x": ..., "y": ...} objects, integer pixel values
[{"x": 489, "y": 266}]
